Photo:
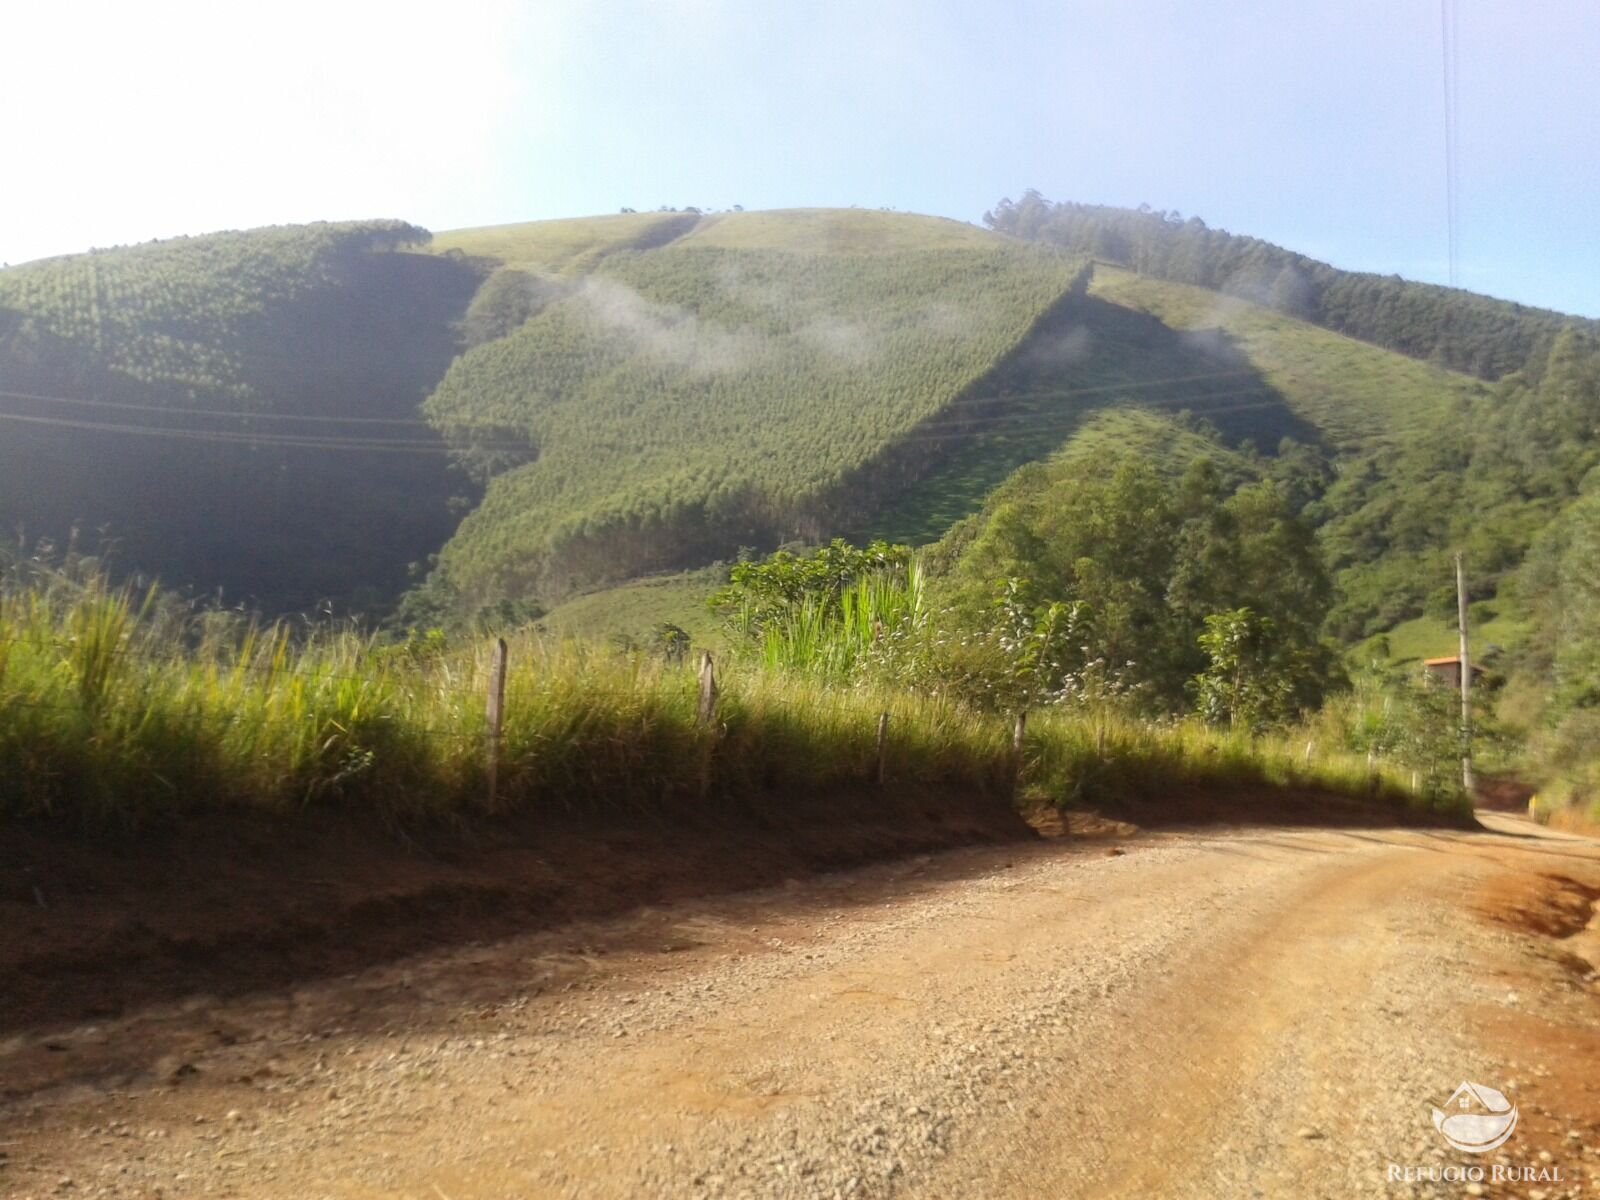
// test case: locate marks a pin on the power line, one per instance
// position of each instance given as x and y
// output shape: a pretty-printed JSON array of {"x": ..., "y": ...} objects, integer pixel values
[
  {"x": 237, "y": 437},
  {"x": 229, "y": 414},
  {"x": 1449, "y": 39},
  {"x": 949, "y": 429},
  {"x": 246, "y": 415}
]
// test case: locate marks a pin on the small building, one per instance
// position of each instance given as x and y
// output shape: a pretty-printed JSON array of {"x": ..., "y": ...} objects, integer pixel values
[{"x": 1448, "y": 670}]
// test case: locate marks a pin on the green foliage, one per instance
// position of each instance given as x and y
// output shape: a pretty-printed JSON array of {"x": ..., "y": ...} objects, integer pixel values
[
  {"x": 1253, "y": 678},
  {"x": 1493, "y": 473},
  {"x": 758, "y": 593},
  {"x": 1487, "y": 337},
  {"x": 1348, "y": 394},
  {"x": 1072, "y": 761},
  {"x": 1043, "y": 644},
  {"x": 823, "y": 613},
  {"x": 671, "y": 641},
  {"x": 121, "y": 709},
  {"x": 1150, "y": 557},
  {"x": 1405, "y": 719},
  {"x": 507, "y": 299},
  {"x": 181, "y": 313},
  {"x": 1088, "y": 359},
  {"x": 1560, "y": 584}
]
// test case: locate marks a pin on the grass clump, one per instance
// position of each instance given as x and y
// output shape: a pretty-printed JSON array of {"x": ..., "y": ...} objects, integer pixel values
[{"x": 1078, "y": 760}]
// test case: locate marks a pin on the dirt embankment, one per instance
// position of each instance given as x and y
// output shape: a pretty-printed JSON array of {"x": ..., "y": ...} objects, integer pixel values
[{"x": 94, "y": 924}]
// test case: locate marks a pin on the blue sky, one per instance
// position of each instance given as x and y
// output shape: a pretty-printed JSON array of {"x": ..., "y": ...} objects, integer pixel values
[{"x": 1317, "y": 124}]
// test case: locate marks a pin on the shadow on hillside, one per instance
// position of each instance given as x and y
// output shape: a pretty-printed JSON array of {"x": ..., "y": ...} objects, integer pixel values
[
  {"x": 341, "y": 493},
  {"x": 1085, "y": 356}
]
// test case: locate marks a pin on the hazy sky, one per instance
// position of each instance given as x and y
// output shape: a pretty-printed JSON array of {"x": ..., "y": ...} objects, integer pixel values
[{"x": 1315, "y": 124}]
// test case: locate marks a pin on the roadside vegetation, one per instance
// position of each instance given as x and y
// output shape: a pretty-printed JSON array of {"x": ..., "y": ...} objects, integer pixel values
[
  {"x": 122, "y": 708},
  {"x": 1560, "y": 584}
]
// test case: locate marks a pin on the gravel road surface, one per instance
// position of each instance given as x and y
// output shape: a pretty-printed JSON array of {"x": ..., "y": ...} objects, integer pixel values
[{"x": 1257, "y": 1012}]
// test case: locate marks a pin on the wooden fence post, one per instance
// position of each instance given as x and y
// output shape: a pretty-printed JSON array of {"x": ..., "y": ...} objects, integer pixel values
[
  {"x": 494, "y": 712},
  {"x": 1019, "y": 732},
  {"x": 708, "y": 688},
  {"x": 1310, "y": 748},
  {"x": 883, "y": 747}
]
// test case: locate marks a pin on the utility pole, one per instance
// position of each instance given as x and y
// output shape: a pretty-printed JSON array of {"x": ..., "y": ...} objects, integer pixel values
[{"x": 1465, "y": 670}]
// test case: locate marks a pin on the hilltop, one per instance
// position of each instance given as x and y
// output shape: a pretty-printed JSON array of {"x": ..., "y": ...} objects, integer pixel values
[{"x": 681, "y": 385}]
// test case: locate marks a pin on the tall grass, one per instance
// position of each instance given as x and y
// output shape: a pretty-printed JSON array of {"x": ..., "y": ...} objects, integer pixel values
[
  {"x": 116, "y": 708},
  {"x": 832, "y": 637},
  {"x": 1075, "y": 761}
]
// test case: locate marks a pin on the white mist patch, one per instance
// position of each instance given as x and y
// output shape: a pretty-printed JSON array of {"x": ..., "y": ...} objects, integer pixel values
[
  {"x": 679, "y": 336},
  {"x": 667, "y": 332},
  {"x": 846, "y": 341}
]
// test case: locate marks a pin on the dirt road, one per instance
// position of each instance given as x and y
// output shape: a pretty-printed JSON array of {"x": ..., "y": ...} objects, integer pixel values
[{"x": 1249, "y": 1013}]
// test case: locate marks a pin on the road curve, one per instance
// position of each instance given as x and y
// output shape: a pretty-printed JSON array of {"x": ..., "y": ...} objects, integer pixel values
[{"x": 1257, "y": 1012}]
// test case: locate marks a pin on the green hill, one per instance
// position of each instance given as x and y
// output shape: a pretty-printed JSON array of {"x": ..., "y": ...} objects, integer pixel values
[
  {"x": 1252, "y": 373},
  {"x": 680, "y": 402},
  {"x": 1353, "y": 394},
  {"x": 209, "y": 407},
  {"x": 269, "y": 411},
  {"x": 680, "y": 385}
]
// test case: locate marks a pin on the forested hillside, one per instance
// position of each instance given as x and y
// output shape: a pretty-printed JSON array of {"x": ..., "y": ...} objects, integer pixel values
[
  {"x": 653, "y": 391},
  {"x": 1456, "y": 328},
  {"x": 724, "y": 391},
  {"x": 1427, "y": 461},
  {"x": 210, "y": 409},
  {"x": 1559, "y": 587}
]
